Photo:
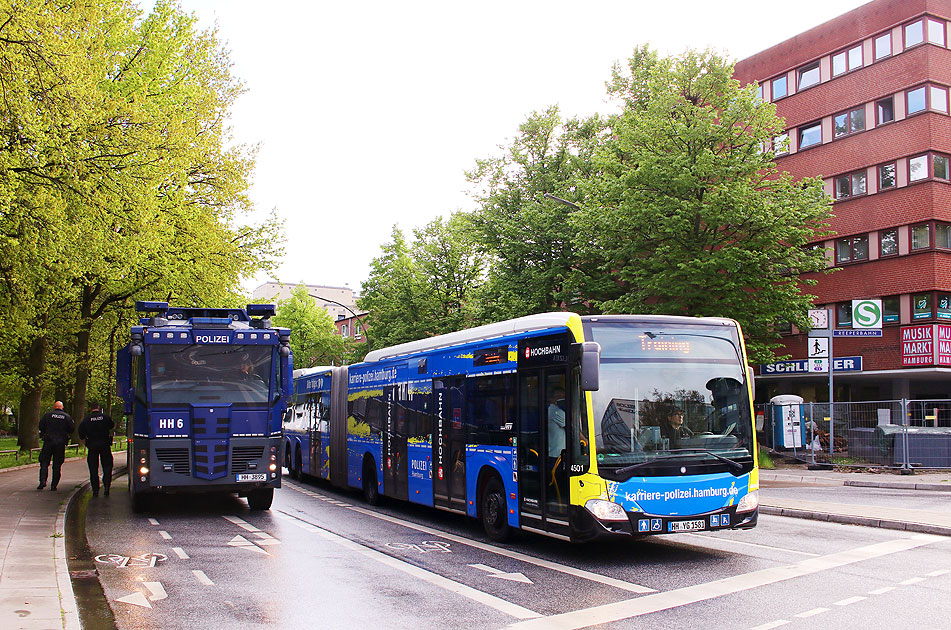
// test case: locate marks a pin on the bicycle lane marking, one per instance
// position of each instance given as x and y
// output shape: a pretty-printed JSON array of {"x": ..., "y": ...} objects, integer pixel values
[
  {"x": 514, "y": 555},
  {"x": 475, "y": 595},
  {"x": 681, "y": 597}
]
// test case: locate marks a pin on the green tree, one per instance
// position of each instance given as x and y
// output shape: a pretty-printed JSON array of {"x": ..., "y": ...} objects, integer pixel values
[
  {"x": 425, "y": 288},
  {"x": 528, "y": 198},
  {"x": 115, "y": 182},
  {"x": 687, "y": 212},
  {"x": 313, "y": 335}
]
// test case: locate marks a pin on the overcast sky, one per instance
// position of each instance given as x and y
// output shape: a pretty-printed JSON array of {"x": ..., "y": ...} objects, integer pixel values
[{"x": 368, "y": 113}]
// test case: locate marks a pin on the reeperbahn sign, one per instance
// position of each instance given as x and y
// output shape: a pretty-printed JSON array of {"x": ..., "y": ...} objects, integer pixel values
[{"x": 839, "y": 364}]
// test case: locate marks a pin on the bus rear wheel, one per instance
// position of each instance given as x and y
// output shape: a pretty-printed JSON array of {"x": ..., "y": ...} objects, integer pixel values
[
  {"x": 260, "y": 499},
  {"x": 371, "y": 491},
  {"x": 493, "y": 511}
]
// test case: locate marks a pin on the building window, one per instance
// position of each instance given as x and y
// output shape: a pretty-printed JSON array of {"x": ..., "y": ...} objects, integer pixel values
[
  {"x": 939, "y": 99},
  {"x": 852, "y": 249},
  {"x": 779, "y": 87},
  {"x": 885, "y": 110},
  {"x": 848, "y": 122},
  {"x": 942, "y": 235},
  {"x": 891, "y": 310},
  {"x": 808, "y": 76},
  {"x": 936, "y": 32},
  {"x": 918, "y": 168},
  {"x": 762, "y": 92},
  {"x": 883, "y": 46},
  {"x": 843, "y": 315},
  {"x": 940, "y": 166},
  {"x": 921, "y": 306},
  {"x": 943, "y": 302},
  {"x": 888, "y": 243},
  {"x": 851, "y": 185},
  {"x": 921, "y": 236},
  {"x": 847, "y": 60},
  {"x": 917, "y": 100},
  {"x": 914, "y": 34},
  {"x": 810, "y": 135},
  {"x": 886, "y": 176},
  {"x": 781, "y": 144}
]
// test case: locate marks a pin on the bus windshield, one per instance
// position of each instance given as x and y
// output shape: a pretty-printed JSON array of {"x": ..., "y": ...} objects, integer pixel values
[
  {"x": 209, "y": 374},
  {"x": 670, "y": 395}
]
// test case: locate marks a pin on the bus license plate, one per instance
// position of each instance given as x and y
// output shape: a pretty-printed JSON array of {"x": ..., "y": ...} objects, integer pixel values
[
  {"x": 685, "y": 526},
  {"x": 253, "y": 477}
]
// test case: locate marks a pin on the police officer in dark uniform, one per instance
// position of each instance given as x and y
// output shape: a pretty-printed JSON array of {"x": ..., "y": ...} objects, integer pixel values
[
  {"x": 55, "y": 429},
  {"x": 96, "y": 429}
]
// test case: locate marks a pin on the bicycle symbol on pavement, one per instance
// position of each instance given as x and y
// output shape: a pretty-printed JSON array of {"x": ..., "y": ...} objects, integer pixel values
[
  {"x": 121, "y": 562},
  {"x": 425, "y": 547}
]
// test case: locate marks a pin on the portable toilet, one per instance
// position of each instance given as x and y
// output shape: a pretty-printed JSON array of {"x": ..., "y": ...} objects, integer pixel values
[{"x": 789, "y": 429}]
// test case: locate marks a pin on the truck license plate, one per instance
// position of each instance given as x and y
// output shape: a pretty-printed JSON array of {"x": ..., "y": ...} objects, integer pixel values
[
  {"x": 253, "y": 477},
  {"x": 685, "y": 526}
]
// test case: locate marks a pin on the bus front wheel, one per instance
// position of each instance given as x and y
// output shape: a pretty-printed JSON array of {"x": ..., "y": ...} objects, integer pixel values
[
  {"x": 260, "y": 499},
  {"x": 493, "y": 511}
]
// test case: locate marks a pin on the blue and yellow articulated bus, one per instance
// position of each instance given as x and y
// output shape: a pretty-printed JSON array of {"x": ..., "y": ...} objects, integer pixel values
[
  {"x": 572, "y": 427},
  {"x": 205, "y": 391}
]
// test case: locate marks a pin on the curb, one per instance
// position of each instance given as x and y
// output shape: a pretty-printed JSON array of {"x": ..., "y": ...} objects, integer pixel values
[
  {"x": 918, "y": 528},
  {"x": 64, "y": 582},
  {"x": 899, "y": 485}
]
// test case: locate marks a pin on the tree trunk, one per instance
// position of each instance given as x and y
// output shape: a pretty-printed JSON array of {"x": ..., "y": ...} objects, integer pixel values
[
  {"x": 27, "y": 436},
  {"x": 82, "y": 352}
]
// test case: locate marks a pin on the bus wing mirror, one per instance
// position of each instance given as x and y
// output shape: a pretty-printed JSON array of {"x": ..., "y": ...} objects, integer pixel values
[
  {"x": 750, "y": 376},
  {"x": 590, "y": 366}
]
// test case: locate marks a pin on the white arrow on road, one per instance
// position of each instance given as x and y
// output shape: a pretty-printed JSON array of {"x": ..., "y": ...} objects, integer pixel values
[
  {"x": 244, "y": 543},
  {"x": 156, "y": 590},
  {"x": 514, "y": 577}
]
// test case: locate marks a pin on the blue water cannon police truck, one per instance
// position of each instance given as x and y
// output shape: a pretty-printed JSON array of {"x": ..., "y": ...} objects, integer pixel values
[{"x": 205, "y": 390}]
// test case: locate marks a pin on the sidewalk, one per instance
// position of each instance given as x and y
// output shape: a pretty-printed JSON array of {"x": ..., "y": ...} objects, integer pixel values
[
  {"x": 35, "y": 588},
  {"x": 919, "y": 521}
]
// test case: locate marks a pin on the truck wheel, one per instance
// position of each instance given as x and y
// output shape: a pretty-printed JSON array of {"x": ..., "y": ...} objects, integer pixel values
[
  {"x": 493, "y": 511},
  {"x": 260, "y": 499},
  {"x": 141, "y": 502}
]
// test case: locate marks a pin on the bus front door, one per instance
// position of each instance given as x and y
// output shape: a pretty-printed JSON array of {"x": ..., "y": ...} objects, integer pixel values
[
  {"x": 543, "y": 477},
  {"x": 449, "y": 444}
]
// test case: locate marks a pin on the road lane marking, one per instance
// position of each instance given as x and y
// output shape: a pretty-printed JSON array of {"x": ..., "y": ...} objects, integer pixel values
[
  {"x": 938, "y": 573},
  {"x": 180, "y": 553},
  {"x": 812, "y": 613},
  {"x": 242, "y": 523},
  {"x": 202, "y": 577},
  {"x": 882, "y": 591},
  {"x": 743, "y": 542},
  {"x": 656, "y": 602},
  {"x": 772, "y": 624},
  {"x": 136, "y": 599},
  {"x": 435, "y": 579},
  {"x": 152, "y": 521},
  {"x": 911, "y": 581},
  {"x": 165, "y": 535},
  {"x": 849, "y": 601},
  {"x": 243, "y": 543},
  {"x": 515, "y": 555}
]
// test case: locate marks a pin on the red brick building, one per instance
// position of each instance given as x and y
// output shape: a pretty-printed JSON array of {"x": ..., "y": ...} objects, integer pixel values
[{"x": 865, "y": 98}]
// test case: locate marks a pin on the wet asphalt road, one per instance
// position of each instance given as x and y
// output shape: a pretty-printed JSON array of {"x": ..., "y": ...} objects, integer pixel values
[{"x": 321, "y": 558}]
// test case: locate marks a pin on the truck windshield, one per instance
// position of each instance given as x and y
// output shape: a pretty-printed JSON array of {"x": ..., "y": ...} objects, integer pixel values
[
  {"x": 209, "y": 374},
  {"x": 674, "y": 394}
]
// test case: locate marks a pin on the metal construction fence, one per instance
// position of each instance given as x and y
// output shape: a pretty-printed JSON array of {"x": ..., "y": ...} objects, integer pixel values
[{"x": 908, "y": 434}]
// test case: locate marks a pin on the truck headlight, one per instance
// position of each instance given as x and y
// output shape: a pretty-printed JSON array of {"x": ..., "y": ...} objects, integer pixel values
[
  {"x": 749, "y": 502},
  {"x": 605, "y": 510}
]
